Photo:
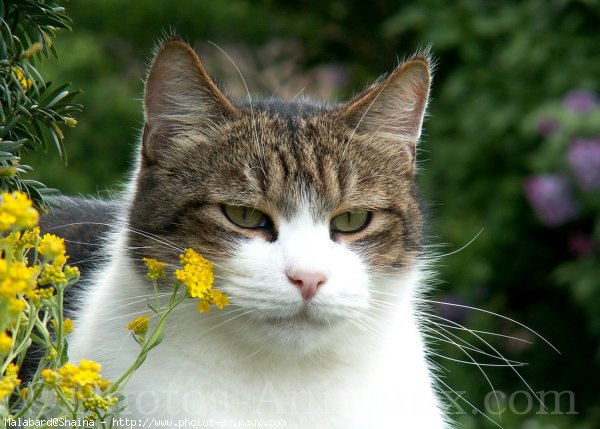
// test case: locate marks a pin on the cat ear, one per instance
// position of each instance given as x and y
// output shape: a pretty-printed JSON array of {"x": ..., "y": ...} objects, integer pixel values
[
  {"x": 179, "y": 96},
  {"x": 394, "y": 108}
]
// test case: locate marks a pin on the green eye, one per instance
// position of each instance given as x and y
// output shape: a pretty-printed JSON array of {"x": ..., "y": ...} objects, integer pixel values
[
  {"x": 350, "y": 221},
  {"x": 245, "y": 217}
]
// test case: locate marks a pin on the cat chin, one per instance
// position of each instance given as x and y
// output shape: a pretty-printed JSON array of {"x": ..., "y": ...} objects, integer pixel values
[{"x": 294, "y": 335}]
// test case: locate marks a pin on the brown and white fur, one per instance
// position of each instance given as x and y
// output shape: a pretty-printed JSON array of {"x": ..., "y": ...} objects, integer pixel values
[{"x": 350, "y": 354}]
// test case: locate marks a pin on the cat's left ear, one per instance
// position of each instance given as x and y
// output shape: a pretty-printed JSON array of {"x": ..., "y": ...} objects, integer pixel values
[
  {"x": 179, "y": 97},
  {"x": 393, "y": 109}
]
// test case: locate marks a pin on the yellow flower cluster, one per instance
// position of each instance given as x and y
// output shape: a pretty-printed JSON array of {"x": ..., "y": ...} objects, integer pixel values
[
  {"x": 6, "y": 343},
  {"x": 20, "y": 282},
  {"x": 17, "y": 278},
  {"x": 53, "y": 253},
  {"x": 67, "y": 325},
  {"x": 156, "y": 269},
  {"x": 52, "y": 247},
  {"x": 17, "y": 212},
  {"x": 10, "y": 381},
  {"x": 81, "y": 382},
  {"x": 139, "y": 325},
  {"x": 196, "y": 274},
  {"x": 24, "y": 81},
  {"x": 20, "y": 242}
]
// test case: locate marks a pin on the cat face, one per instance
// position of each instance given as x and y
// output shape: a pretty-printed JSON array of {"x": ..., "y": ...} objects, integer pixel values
[{"x": 303, "y": 208}]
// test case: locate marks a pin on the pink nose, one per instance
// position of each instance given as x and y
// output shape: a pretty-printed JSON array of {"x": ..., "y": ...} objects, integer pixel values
[{"x": 308, "y": 282}]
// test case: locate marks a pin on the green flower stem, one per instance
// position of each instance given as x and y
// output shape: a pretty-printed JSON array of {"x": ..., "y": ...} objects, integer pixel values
[
  {"x": 31, "y": 318},
  {"x": 29, "y": 402},
  {"x": 3, "y": 310},
  {"x": 24, "y": 345},
  {"x": 64, "y": 400},
  {"x": 152, "y": 342},
  {"x": 155, "y": 285},
  {"x": 59, "y": 323},
  {"x": 41, "y": 325}
]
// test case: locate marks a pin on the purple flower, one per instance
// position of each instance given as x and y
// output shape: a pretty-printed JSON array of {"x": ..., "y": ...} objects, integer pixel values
[
  {"x": 551, "y": 198},
  {"x": 580, "y": 101},
  {"x": 584, "y": 159},
  {"x": 547, "y": 126}
]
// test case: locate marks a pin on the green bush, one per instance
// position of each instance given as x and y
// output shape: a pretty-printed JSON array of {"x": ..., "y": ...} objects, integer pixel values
[{"x": 32, "y": 110}]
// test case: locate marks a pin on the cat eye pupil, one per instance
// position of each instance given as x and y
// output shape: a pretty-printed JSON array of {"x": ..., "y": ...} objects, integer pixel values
[
  {"x": 350, "y": 221},
  {"x": 245, "y": 217}
]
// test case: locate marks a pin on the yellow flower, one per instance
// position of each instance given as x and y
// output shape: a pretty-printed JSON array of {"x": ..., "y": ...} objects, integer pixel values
[
  {"x": 16, "y": 278},
  {"x": 30, "y": 237},
  {"x": 24, "y": 393},
  {"x": 52, "y": 353},
  {"x": 52, "y": 274},
  {"x": 11, "y": 239},
  {"x": 139, "y": 325},
  {"x": 203, "y": 307},
  {"x": 6, "y": 388},
  {"x": 17, "y": 212},
  {"x": 79, "y": 382},
  {"x": 12, "y": 370},
  {"x": 24, "y": 81},
  {"x": 16, "y": 306},
  {"x": 90, "y": 365},
  {"x": 6, "y": 343},
  {"x": 51, "y": 247},
  {"x": 71, "y": 273},
  {"x": 96, "y": 402},
  {"x": 103, "y": 384},
  {"x": 196, "y": 274},
  {"x": 6, "y": 221},
  {"x": 49, "y": 376},
  {"x": 86, "y": 375},
  {"x": 219, "y": 298},
  {"x": 10, "y": 381},
  {"x": 70, "y": 122},
  {"x": 45, "y": 293},
  {"x": 67, "y": 325},
  {"x": 156, "y": 269}
]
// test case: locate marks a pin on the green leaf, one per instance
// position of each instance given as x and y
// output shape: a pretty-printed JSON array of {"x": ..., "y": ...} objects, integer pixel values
[
  {"x": 156, "y": 341},
  {"x": 9, "y": 126},
  {"x": 11, "y": 146}
]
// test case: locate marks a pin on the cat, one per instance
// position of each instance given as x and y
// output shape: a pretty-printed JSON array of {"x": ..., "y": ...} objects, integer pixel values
[{"x": 309, "y": 213}]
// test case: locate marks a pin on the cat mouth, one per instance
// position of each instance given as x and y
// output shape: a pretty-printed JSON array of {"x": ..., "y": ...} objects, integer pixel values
[{"x": 303, "y": 317}]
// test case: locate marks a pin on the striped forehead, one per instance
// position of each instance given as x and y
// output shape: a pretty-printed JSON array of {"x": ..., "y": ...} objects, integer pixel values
[{"x": 299, "y": 170}]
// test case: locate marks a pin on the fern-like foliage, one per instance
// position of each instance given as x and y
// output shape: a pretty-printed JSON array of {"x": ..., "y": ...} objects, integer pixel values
[{"x": 32, "y": 110}]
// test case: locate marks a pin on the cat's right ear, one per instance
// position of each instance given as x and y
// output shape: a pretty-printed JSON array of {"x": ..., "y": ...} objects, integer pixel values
[
  {"x": 179, "y": 97},
  {"x": 393, "y": 109}
]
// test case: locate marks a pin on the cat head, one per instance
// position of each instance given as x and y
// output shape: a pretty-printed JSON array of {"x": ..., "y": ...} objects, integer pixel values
[{"x": 304, "y": 208}]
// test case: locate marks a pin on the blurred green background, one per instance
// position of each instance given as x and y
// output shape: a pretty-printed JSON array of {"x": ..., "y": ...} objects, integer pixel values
[{"x": 511, "y": 149}]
